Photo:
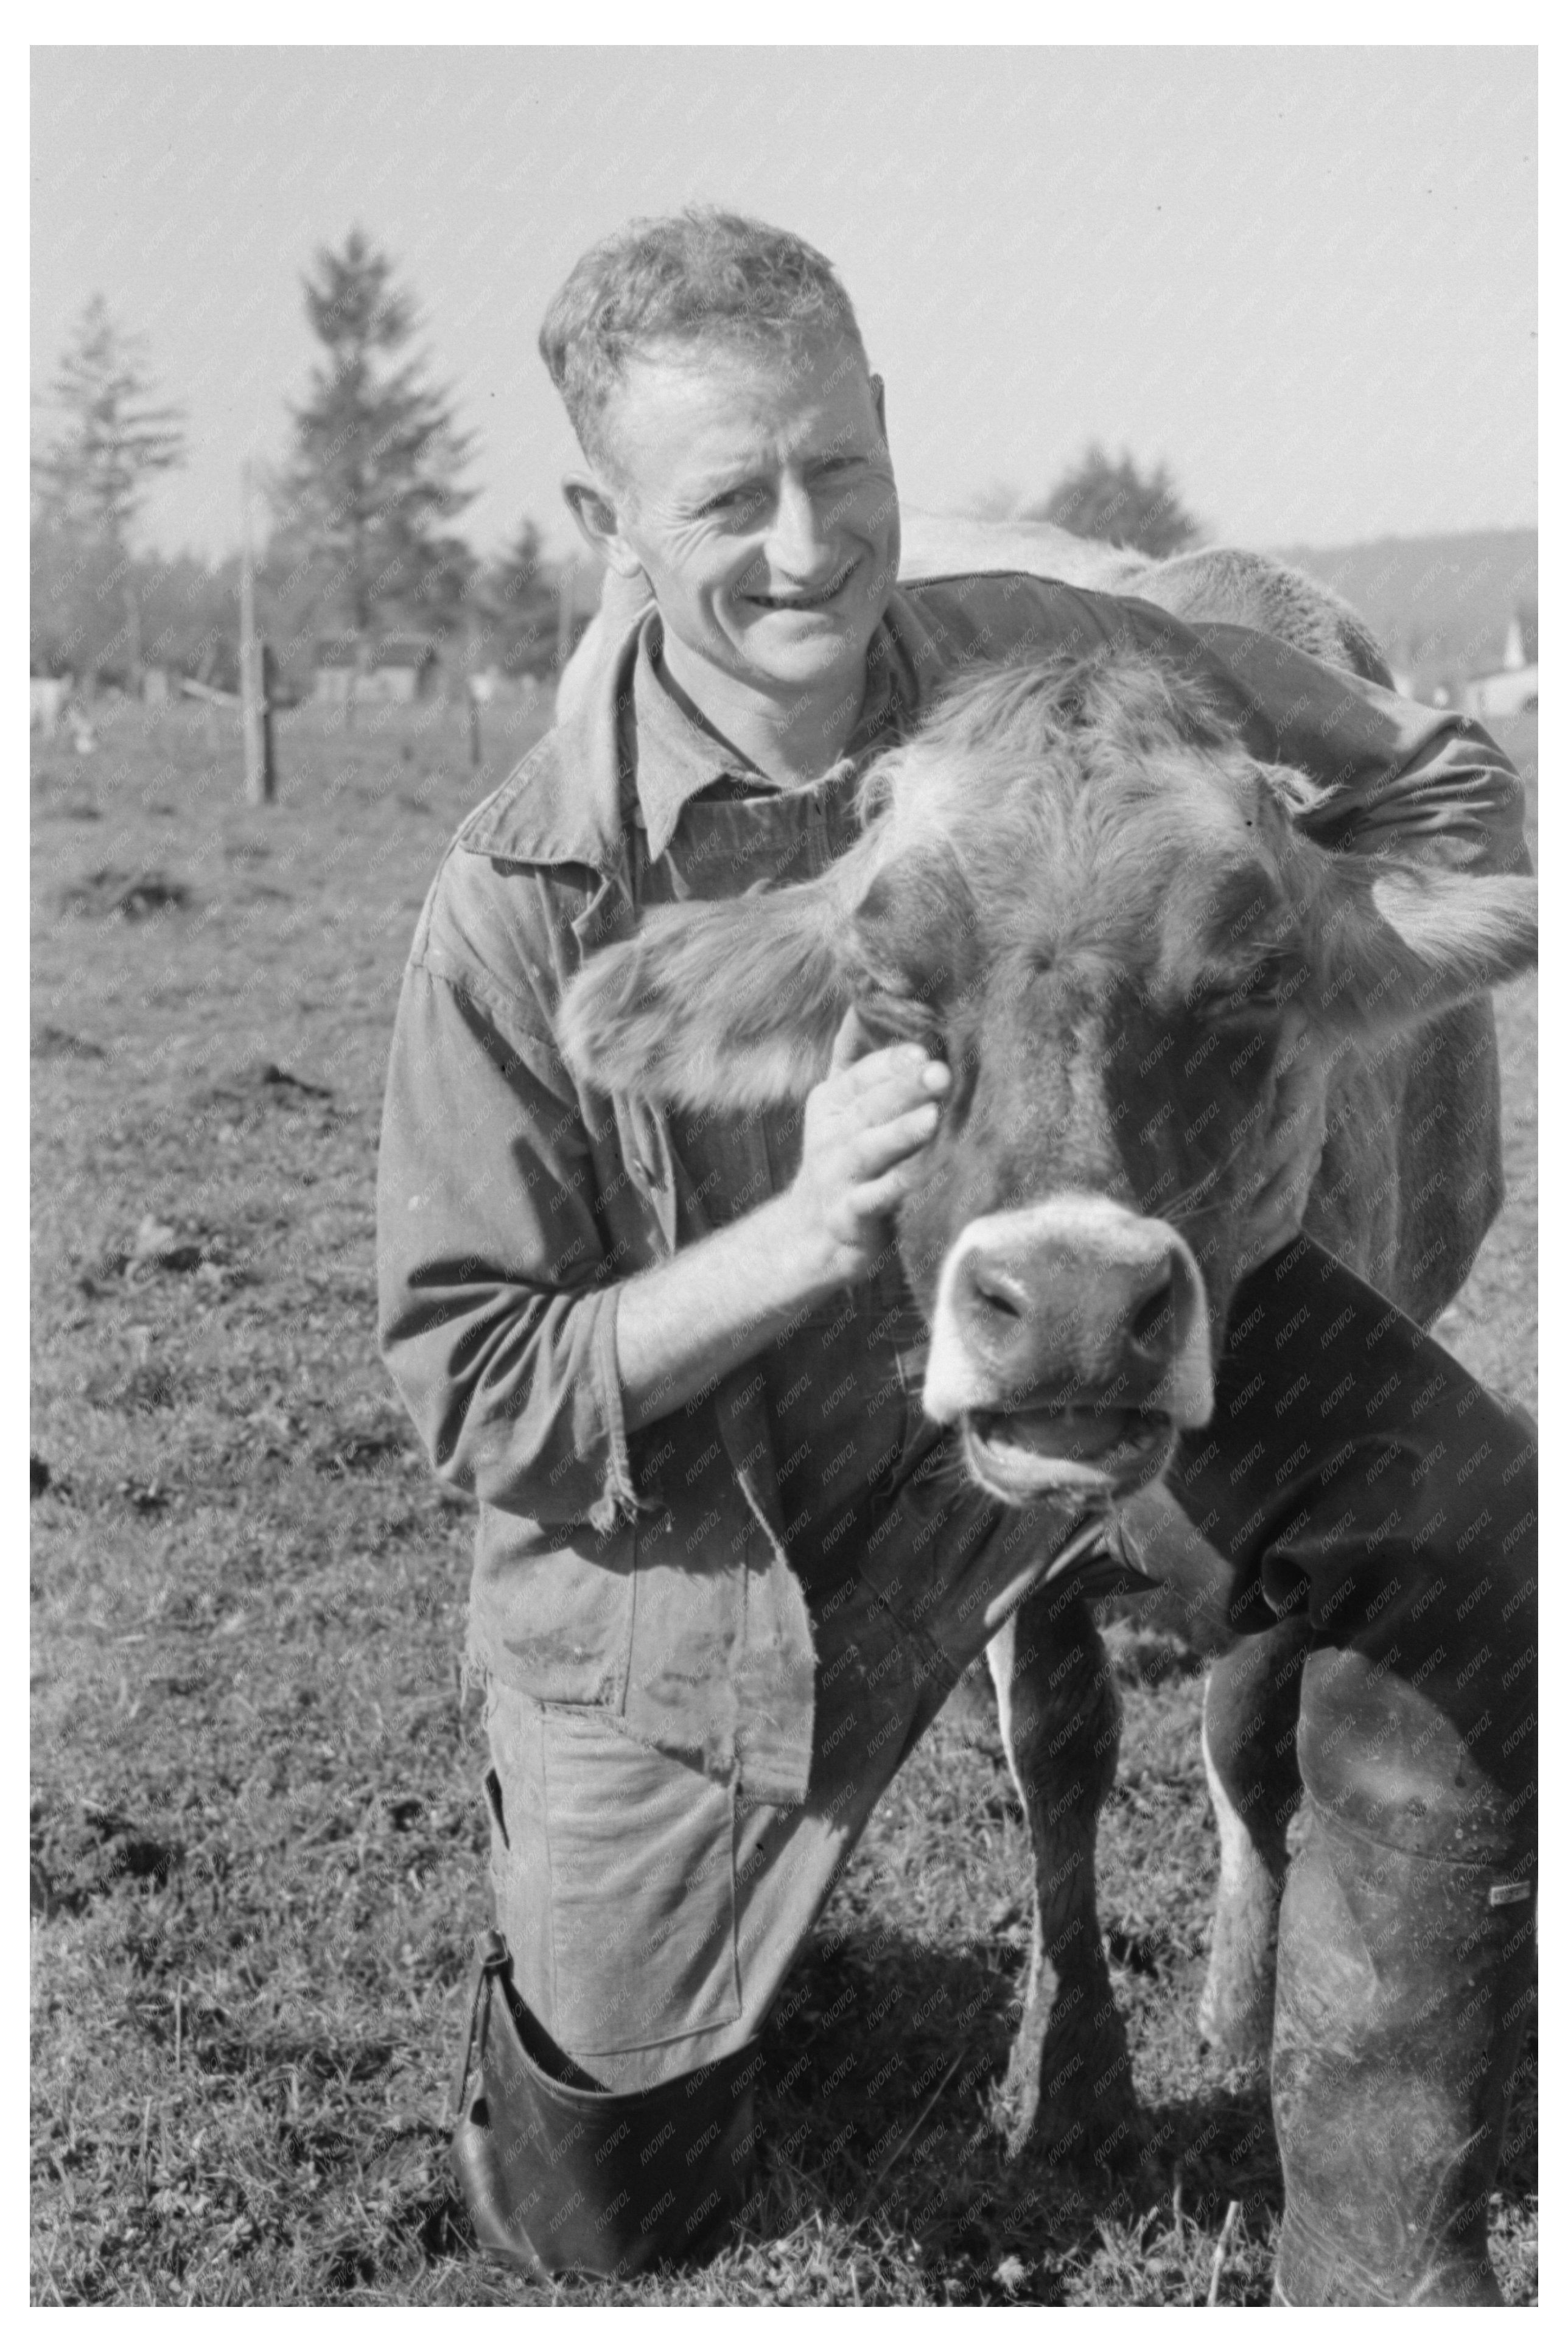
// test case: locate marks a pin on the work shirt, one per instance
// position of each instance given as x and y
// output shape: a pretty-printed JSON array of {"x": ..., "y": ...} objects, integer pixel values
[
  {"x": 839, "y": 1390},
  {"x": 668, "y": 1577}
]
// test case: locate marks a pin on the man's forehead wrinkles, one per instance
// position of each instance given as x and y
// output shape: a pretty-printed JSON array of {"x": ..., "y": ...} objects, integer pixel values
[{"x": 750, "y": 461}]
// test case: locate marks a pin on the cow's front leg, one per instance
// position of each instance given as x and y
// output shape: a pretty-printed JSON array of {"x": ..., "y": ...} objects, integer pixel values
[
  {"x": 1070, "y": 2087},
  {"x": 1251, "y": 1703}
]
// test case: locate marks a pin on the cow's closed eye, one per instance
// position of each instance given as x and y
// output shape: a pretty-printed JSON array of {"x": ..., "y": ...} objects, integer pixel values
[
  {"x": 1258, "y": 993},
  {"x": 892, "y": 1016}
]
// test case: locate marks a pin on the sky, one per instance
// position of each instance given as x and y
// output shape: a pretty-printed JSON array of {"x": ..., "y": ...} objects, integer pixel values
[{"x": 1305, "y": 278}]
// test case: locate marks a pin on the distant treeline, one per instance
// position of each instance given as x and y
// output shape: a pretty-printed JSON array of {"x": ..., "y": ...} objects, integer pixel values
[
  {"x": 105, "y": 617},
  {"x": 358, "y": 537},
  {"x": 360, "y": 544}
]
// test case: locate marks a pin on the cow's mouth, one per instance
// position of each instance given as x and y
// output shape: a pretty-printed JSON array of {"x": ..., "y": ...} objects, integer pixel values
[{"x": 1020, "y": 1456}]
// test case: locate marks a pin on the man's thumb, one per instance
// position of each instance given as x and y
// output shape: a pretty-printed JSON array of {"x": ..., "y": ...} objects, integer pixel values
[{"x": 850, "y": 1043}]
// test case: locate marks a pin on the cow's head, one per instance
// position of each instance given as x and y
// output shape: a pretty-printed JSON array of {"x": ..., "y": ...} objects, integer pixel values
[{"x": 1082, "y": 889}]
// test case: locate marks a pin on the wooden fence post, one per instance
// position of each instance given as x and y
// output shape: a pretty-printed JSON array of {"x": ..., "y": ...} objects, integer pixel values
[{"x": 255, "y": 671}]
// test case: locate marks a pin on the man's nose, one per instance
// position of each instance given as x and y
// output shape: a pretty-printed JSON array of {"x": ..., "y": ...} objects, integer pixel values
[{"x": 799, "y": 543}]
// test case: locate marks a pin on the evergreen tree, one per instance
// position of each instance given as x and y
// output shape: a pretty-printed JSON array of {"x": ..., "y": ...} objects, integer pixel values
[
  {"x": 372, "y": 476},
  {"x": 517, "y": 603},
  {"x": 92, "y": 476},
  {"x": 1097, "y": 499},
  {"x": 89, "y": 478}
]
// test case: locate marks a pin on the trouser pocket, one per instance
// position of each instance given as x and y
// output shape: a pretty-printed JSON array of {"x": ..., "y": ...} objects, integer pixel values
[{"x": 629, "y": 1875}]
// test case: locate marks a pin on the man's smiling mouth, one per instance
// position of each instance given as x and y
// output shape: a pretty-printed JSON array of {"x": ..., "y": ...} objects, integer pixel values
[{"x": 805, "y": 604}]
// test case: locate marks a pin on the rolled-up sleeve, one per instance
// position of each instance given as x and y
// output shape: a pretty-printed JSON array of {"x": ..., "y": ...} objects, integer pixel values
[
  {"x": 1394, "y": 773},
  {"x": 498, "y": 1290}
]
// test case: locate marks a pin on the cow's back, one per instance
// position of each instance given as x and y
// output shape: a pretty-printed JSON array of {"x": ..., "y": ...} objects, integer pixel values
[{"x": 1209, "y": 584}]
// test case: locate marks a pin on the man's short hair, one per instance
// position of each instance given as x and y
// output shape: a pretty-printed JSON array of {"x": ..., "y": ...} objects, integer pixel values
[{"x": 694, "y": 276}]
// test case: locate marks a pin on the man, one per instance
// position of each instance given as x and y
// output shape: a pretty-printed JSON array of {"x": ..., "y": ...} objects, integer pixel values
[{"x": 721, "y": 1585}]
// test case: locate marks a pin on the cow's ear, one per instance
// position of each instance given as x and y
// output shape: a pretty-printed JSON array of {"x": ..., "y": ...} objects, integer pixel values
[
  {"x": 724, "y": 1006},
  {"x": 1402, "y": 942}
]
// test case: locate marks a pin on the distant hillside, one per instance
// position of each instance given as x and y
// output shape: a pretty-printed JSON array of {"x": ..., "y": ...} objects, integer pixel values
[{"x": 1440, "y": 605}]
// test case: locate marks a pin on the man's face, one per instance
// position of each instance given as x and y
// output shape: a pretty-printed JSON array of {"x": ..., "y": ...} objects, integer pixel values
[{"x": 756, "y": 492}]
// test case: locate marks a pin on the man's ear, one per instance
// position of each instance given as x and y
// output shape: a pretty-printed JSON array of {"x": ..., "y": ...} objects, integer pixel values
[
  {"x": 597, "y": 510},
  {"x": 725, "y": 1005}
]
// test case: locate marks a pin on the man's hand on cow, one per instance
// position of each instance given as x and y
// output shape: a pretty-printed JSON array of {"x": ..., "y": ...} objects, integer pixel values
[
  {"x": 1292, "y": 1149},
  {"x": 865, "y": 1123}
]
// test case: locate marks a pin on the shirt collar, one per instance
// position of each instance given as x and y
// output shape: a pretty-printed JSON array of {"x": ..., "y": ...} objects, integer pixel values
[
  {"x": 677, "y": 757},
  {"x": 567, "y": 802}
]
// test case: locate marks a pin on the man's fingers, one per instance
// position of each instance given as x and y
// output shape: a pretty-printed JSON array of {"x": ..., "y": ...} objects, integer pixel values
[
  {"x": 881, "y": 1195},
  {"x": 894, "y": 1078},
  {"x": 880, "y": 1064},
  {"x": 850, "y": 1043},
  {"x": 877, "y": 1147}
]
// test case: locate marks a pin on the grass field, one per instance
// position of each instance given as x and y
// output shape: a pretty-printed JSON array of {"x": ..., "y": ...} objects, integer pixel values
[{"x": 256, "y": 1837}]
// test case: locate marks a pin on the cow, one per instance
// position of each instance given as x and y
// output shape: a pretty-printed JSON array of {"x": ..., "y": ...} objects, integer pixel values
[
  {"x": 1433, "y": 1094},
  {"x": 1078, "y": 879}
]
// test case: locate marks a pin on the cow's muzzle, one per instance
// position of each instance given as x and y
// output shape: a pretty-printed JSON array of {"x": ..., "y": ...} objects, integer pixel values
[{"x": 1070, "y": 1343}]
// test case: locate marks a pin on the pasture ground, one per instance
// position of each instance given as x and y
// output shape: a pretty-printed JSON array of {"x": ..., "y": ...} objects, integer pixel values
[{"x": 257, "y": 1842}]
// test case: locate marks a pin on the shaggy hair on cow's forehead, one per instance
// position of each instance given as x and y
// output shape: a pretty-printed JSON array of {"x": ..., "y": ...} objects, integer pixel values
[
  {"x": 1104, "y": 718},
  {"x": 1018, "y": 769}
]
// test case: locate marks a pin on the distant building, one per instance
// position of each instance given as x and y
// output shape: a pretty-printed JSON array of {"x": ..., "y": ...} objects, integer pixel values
[
  {"x": 388, "y": 669},
  {"x": 1515, "y": 687},
  {"x": 494, "y": 684},
  {"x": 47, "y": 697}
]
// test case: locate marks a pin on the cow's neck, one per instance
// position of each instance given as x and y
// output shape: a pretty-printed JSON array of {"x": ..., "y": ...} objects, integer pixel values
[{"x": 790, "y": 739}]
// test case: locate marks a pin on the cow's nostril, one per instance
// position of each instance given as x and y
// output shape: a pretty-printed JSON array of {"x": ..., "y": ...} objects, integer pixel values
[
  {"x": 993, "y": 1286},
  {"x": 990, "y": 1295},
  {"x": 1156, "y": 1312}
]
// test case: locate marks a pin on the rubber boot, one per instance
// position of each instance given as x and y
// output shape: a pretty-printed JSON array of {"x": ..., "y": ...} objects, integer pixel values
[
  {"x": 559, "y": 2175},
  {"x": 1404, "y": 1992}
]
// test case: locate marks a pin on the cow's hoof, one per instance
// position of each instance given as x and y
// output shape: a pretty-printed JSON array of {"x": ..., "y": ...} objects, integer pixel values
[
  {"x": 1236, "y": 2021},
  {"x": 1072, "y": 2102}
]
